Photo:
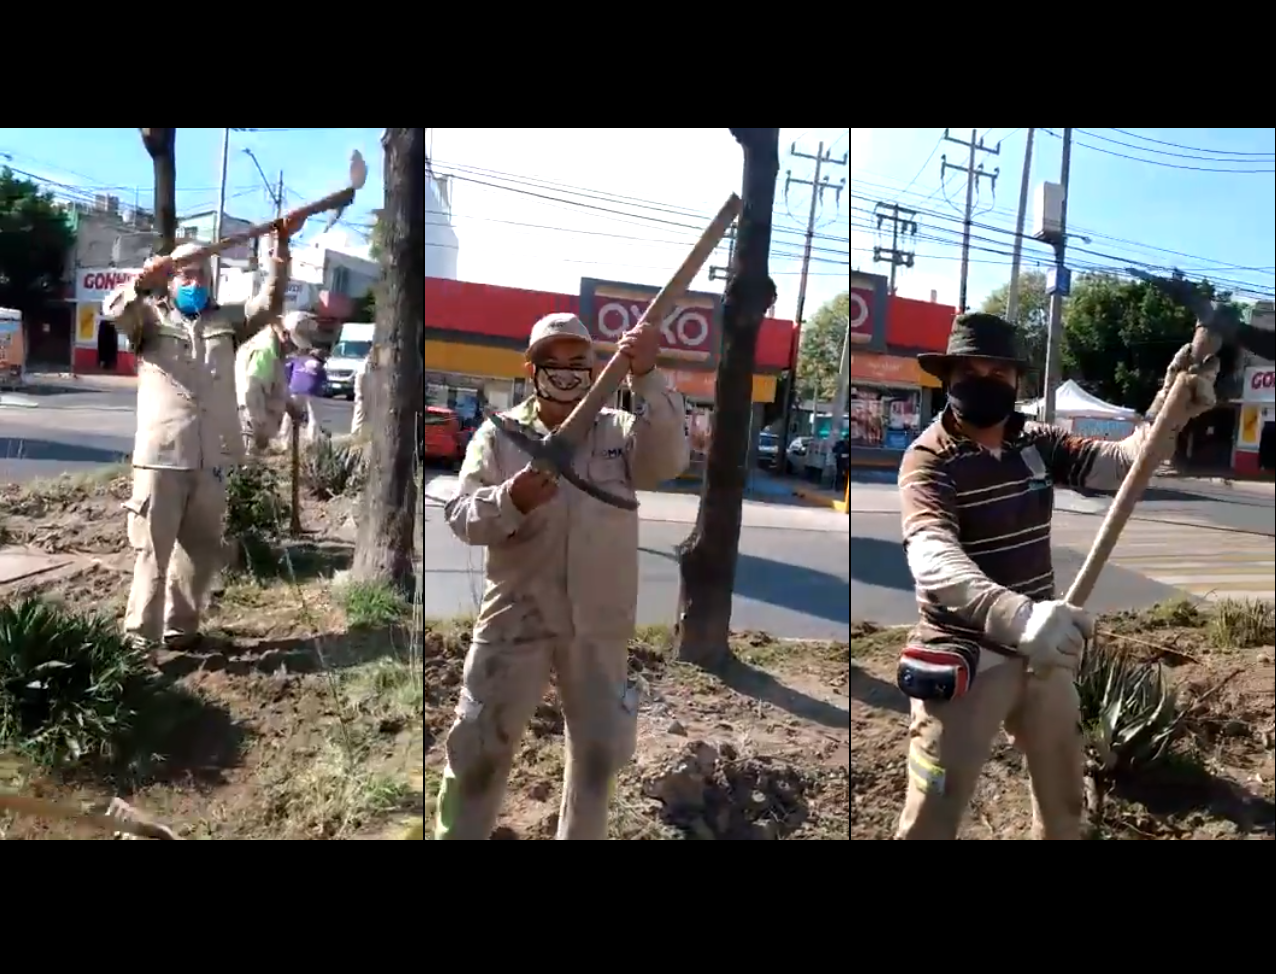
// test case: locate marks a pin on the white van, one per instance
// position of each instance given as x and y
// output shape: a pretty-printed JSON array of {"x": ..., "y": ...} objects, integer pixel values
[{"x": 348, "y": 356}]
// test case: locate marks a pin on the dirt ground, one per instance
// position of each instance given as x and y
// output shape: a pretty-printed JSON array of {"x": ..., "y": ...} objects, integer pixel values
[
  {"x": 1217, "y": 785},
  {"x": 312, "y": 728}
]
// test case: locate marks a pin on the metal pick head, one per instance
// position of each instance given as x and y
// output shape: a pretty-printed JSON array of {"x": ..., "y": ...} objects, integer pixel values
[{"x": 358, "y": 170}]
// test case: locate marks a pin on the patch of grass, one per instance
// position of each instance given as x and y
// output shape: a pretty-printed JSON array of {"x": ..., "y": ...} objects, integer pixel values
[
  {"x": 74, "y": 690},
  {"x": 1242, "y": 624},
  {"x": 341, "y": 790},
  {"x": 868, "y": 639},
  {"x": 388, "y": 690},
  {"x": 38, "y": 497},
  {"x": 372, "y": 605}
]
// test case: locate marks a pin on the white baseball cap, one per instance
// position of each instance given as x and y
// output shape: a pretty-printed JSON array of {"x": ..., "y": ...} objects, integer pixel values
[{"x": 561, "y": 324}]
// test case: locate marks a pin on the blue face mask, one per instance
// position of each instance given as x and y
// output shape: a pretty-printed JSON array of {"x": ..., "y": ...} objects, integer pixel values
[{"x": 191, "y": 299}]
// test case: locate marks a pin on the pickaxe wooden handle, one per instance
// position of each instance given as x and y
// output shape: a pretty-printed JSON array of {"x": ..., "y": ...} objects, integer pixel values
[
  {"x": 333, "y": 201},
  {"x": 613, "y": 374},
  {"x": 40, "y": 808},
  {"x": 1204, "y": 344}
]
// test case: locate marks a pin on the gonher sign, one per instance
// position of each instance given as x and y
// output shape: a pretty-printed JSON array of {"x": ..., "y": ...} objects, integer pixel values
[
  {"x": 689, "y": 333},
  {"x": 1260, "y": 384},
  {"x": 95, "y": 283},
  {"x": 862, "y": 301}
]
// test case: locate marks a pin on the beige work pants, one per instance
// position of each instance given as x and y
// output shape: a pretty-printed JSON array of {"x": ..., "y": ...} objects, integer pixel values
[
  {"x": 950, "y": 741},
  {"x": 503, "y": 685},
  {"x": 175, "y": 526}
]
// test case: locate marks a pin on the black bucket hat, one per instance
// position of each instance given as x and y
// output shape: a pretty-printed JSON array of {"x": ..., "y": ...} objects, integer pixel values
[{"x": 976, "y": 335}]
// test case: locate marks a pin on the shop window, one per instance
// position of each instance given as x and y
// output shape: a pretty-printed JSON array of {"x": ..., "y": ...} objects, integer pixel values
[{"x": 886, "y": 419}]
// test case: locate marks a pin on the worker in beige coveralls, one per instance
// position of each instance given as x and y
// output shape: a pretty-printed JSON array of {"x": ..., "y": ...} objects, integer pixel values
[
  {"x": 562, "y": 583},
  {"x": 187, "y": 432}
]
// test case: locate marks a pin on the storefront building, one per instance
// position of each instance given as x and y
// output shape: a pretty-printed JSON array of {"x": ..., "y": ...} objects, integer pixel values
[
  {"x": 891, "y": 398},
  {"x": 98, "y": 348},
  {"x": 476, "y": 336},
  {"x": 1255, "y": 450}
]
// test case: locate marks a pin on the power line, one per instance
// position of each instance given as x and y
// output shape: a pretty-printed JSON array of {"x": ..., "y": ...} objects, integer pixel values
[
  {"x": 1173, "y": 155},
  {"x": 469, "y": 173},
  {"x": 1085, "y": 231},
  {"x": 1175, "y": 145},
  {"x": 1166, "y": 165}
]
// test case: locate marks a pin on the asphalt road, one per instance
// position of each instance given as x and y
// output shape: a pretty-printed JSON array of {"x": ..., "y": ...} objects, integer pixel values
[
  {"x": 1186, "y": 539},
  {"x": 791, "y": 580},
  {"x": 72, "y": 431}
]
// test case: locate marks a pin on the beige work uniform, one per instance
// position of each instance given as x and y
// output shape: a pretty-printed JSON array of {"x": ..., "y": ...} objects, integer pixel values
[
  {"x": 561, "y": 596},
  {"x": 187, "y": 435},
  {"x": 261, "y": 389}
]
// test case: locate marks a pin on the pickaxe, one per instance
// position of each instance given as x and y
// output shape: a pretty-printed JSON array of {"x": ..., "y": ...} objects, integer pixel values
[
  {"x": 1216, "y": 325},
  {"x": 117, "y": 817},
  {"x": 336, "y": 202},
  {"x": 554, "y": 453}
]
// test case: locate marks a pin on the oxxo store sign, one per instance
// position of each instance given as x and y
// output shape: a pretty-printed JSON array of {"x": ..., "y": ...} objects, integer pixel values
[
  {"x": 688, "y": 335},
  {"x": 868, "y": 312},
  {"x": 1260, "y": 384}
]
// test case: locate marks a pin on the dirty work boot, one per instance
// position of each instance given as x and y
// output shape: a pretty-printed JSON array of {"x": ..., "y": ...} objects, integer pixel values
[{"x": 182, "y": 642}]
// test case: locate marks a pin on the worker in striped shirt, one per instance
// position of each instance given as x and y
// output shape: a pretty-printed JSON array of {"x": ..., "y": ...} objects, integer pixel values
[{"x": 994, "y": 645}]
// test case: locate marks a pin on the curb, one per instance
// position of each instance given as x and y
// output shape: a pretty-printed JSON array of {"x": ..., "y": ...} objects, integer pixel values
[
  {"x": 13, "y": 403},
  {"x": 816, "y": 499}
]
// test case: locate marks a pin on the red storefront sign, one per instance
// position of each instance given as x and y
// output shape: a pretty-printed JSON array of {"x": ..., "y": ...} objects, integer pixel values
[
  {"x": 862, "y": 299},
  {"x": 689, "y": 333}
]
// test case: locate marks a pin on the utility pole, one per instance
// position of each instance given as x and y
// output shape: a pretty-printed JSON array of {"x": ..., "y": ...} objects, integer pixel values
[
  {"x": 217, "y": 217},
  {"x": 724, "y": 273},
  {"x": 1057, "y": 288},
  {"x": 818, "y": 187},
  {"x": 896, "y": 256},
  {"x": 1012, "y": 297},
  {"x": 973, "y": 175}
]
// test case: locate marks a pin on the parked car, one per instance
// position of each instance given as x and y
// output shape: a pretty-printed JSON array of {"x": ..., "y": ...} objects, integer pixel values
[
  {"x": 768, "y": 450},
  {"x": 442, "y": 439},
  {"x": 348, "y": 356},
  {"x": 796, "y": 456}
]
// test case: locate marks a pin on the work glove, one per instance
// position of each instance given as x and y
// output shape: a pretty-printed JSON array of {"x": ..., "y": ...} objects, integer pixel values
[
  {"x": 1054, "y": 634},
  {"x": 1203, "y": 376}
]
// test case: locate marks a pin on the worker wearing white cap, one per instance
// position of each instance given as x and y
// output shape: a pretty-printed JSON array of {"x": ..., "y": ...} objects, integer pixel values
[
  {"x": 187, "y": 431},
  {"x": 562, "y": 583},
  {"x": 261, "y": 382}
]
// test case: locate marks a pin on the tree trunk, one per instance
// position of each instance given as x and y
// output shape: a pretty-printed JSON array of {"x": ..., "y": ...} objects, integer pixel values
[
  {"x": 161, "y": 145},
  {"x": 707, "y": 558},
  {"x": 387, "y": 516}
]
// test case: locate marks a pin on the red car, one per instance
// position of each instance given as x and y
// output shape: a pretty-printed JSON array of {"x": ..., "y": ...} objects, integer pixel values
[{"x": 441, "y": 436}]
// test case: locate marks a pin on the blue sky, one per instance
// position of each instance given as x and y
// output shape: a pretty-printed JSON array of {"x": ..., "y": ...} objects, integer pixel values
[
  {"x": 1135, "y": 210},
  {"x": 533, "y": 208}
]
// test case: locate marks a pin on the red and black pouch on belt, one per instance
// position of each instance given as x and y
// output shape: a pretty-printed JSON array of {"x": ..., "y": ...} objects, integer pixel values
[{"x": 937, "y": 672}]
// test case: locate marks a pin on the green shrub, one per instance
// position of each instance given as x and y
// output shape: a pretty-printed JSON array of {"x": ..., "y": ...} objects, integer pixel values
[
  {"x": 257, "y": 512},
  {"x": 73, "y": 688}
]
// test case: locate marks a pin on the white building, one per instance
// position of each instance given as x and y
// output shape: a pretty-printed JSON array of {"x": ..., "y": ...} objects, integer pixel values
[{"x": 441, "y": 244}]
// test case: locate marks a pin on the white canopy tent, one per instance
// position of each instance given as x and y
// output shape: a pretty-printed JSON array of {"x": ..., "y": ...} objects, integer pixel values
[{"x": 1071, "y": 401}]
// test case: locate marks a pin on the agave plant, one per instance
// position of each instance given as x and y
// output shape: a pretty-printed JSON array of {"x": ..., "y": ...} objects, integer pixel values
[
  {"x": 1129, "y": 715},
  {"x": 332, "y": 467},
  {"x": 71, "y": 686}
]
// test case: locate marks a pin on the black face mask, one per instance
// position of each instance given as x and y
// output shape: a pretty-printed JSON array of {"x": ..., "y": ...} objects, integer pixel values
[{"x": 981, "y": 400}]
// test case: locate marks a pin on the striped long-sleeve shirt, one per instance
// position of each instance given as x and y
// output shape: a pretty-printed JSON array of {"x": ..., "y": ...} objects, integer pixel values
[{"x": 976, "y": 523}]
